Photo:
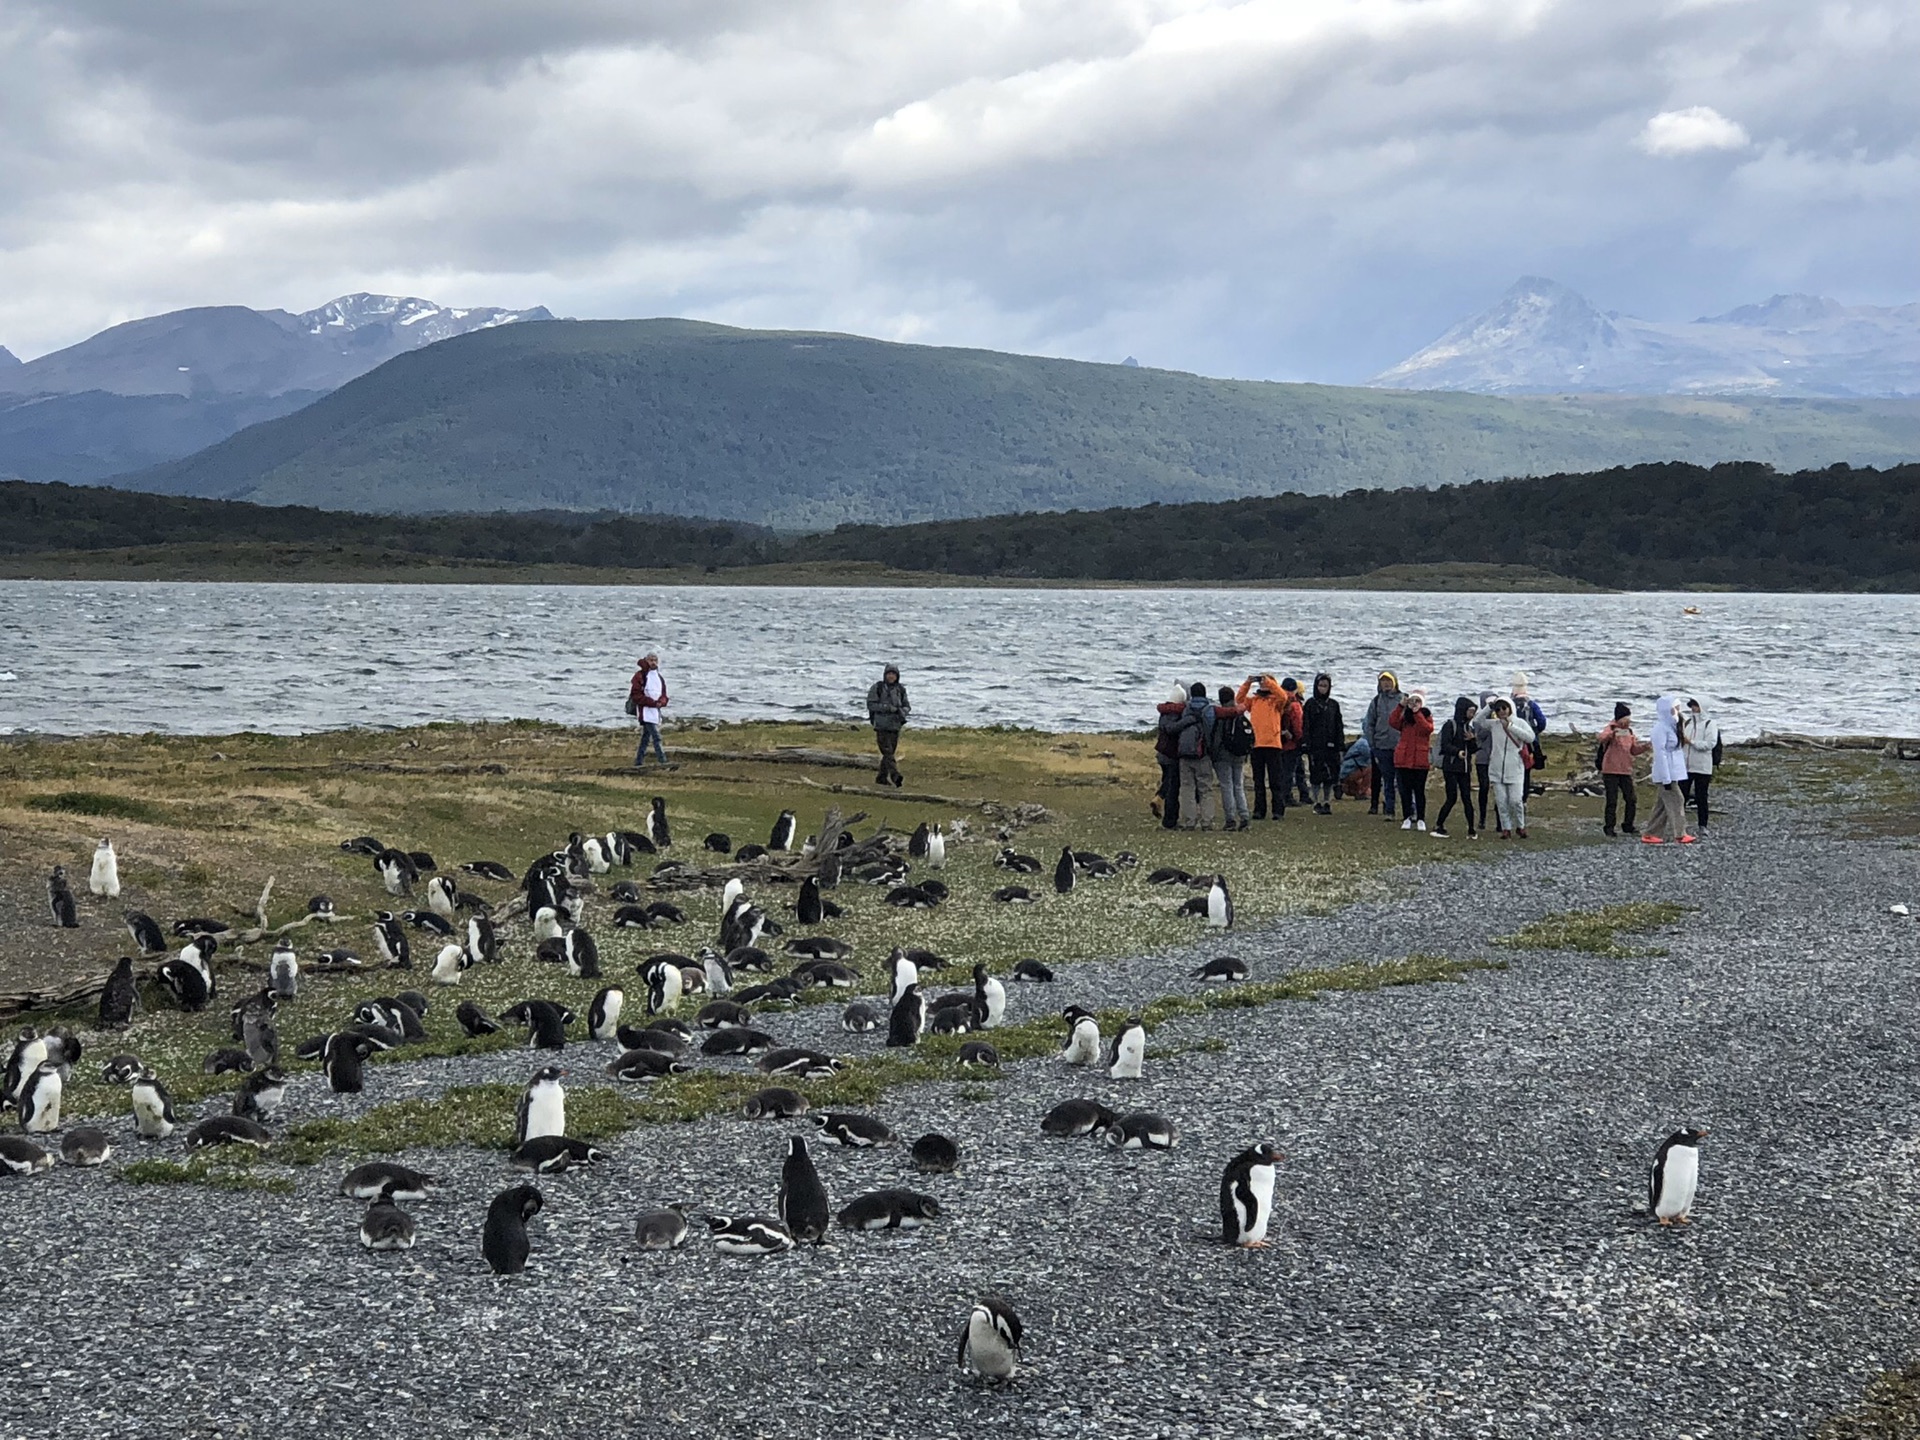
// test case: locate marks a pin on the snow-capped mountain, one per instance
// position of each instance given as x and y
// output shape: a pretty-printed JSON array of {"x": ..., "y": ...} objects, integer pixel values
[
  {"x": 412, "y": 321},
  {"x": 1542, "y": 338}
]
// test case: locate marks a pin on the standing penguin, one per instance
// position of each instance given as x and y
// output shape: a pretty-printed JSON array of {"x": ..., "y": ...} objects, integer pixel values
[
  {"x": 60, "y": 900},
  {"x": 344, "y": 1060},
  {"x": 283, "y": 971},
  {"x": 449, "y": 964},
  {"x": 990, "y": 1340},
  {"x": 483, "y": 945},
  {"x": 390, "y": 943},
  {"x": 917, "y": 842},
  {"x": 989, "y": 1000},
  {"x": 782, "y": 836},
  {"x": 603, "y": 1014},
  {"x": 1129, "y": 1049},
  {"x": 1246, "y": 1197},
  {"x": 803, "y": 1200},
  {"x": 808, "y": 907},
  {"x": 657, "y": 830},
  {"x": 719, "y": 976},
  {"x": 664, "y": 985},
  {"x": 1219, "y": 905},
  {"x": 905, "y": 973},
  {"x": 105, "y": 879},
  {"x": 153, "y": 1117},
  {"x": 443, "y": 896},
  {"x": 1675, "y": 1177},
  {"x": 581, "y": 955},
  {"x": 504, "y": 1242},
  {"x": 1063, "y": 871},
  {"x": 39, "y": 1106},
  {"x": 543, "y": 1108},
  {"x": 1083, "y": 1036},
  {"x": 908, "y": 1019},
  {"x": 145, "y": 931},
  {"x": 936, "y": 850},
  {"x": 121, "y": 997}
]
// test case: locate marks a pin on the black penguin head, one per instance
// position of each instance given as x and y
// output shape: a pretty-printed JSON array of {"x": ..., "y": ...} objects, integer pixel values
[
  {"x": 1074, "y": 1014},
  {"x": 549, "y": 1073},
  {"x": 530, "y": 1201},
  {"x": 797, "y": 1147},
  {"x": 1267, "y": 1153},
  {"x": 1688, "y": 1135}
]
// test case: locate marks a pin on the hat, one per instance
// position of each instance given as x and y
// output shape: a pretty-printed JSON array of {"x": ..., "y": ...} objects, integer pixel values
[
  {"x": 1289, "y": 683},
  {"x": 1621, "y": 710},
  {"x": 1416, "y": 699},
  {"x": 1179, "y": 694},
  {"x": 1519, "y": 681},
  {"x": 1391, "y": 678}
]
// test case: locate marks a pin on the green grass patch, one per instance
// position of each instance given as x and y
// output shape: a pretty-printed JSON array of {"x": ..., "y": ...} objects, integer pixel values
[
  {"x": 227, "y": 1172},
  {"x": 1598, "y": 932},
  {"x": 1889, "y": 1410},
  {"x": 95, "y": 802}
]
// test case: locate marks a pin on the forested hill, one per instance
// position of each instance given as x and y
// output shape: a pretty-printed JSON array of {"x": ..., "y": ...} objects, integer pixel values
[{"x": 805, "y": 431}]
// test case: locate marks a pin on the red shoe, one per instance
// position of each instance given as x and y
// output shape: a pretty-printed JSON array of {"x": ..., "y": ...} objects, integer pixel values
[
  {"x": 1689, "y": 840},
  {"x": 1651, "y": 840}
]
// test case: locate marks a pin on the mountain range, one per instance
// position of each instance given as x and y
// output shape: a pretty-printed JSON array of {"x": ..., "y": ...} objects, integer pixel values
[{"x": 1542, "y": 338}]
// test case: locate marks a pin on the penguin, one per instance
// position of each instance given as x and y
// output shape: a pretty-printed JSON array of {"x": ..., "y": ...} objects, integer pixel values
[
  {"x": 488, "y": 870},
  {"x": 990, "y": 1340},
  {"x": 989, "y": 1000},
  {"x": 543, "y": 1106},
  {"x": 121, "y": 1070},
  {"x": 22, "y": 1157},
  {"x": 855, "y": 1131},
  {"x": 603, "y": 1013},
  {"x": 481, "y": 942},
  {"x": 748, "y": 1235},
  {"x": 228, "y": 1130},
  {"x": 64, "y": 1050},
  {"x": 908, "y": 1018},
  {"x": 1083, "y": 1036},
  {"x": 719, "y": 973},
  {"x": 664, "y": 984},
  {"x": 261, "y": 1039},
  {"x": 1675, "y": 1177},
  {"x": 935, "y": 1154},
  {"x": 363, "y": 845},
  {"x": 153, "y": 1117},
  {"x": 145, "y": 931},
  {"x": 666, "y": 910},
  {"x": 547, "y": 925},
  {"x": 781, "y": 838},
  {"x": 890, "y": 1209},
  {"x": 283, "y": 971},
  {"x": 859, "y": 1018},
  {"x": 555, "y": 1155},
  {"x": 1129, "y": 1050},
  {"x": 1169, "y": 875},
  {"x": 1219, "y": 905},
  {"x": 320, "y": 907},
  {"x": 802, "y": 1203},
  {"x": 978, "y": 1053},
  {"x": 657, "y": 829},
  {"x": 1009, "y": 859},
  {"x": 582, "y": 955},
  {"x": 120, "y": 998},
  {"x": 808, "y": 906},
  {"x": 85, "y": 1146},
  {"x": 105, "y": 879},
  {"x": 383, "y": 1177},
  {"x": 60, "y": 900},
  {"x": 951, "y": 1015},
  {"x": 719, "y": 842},
  {"x": 261, "y": 1093},
  {"x": 187, "y": 983},
  {"x": 29, "y": 1053},
  {"x": 1072, "y": 1118},
  {"x": 390, "y": 944},
  {"x": 593, "y": 851},
  {"x": 737, "y": 1040},
  {"x": 905, "y": 973},
  {"x": 344, "y": 1059},
  {"x": 1142, "y": 1130},
  {"x": 645, "y": 1064},
  {"x": 475, "y": 1021},
  {"x": 748, "y": 959},
  {"x": 791, "y": 1060},
  {"x": 1222, "y": 970},
  {"x": 1013, "y": 895},
  {"x": 386, "y": 1226},
  {"x": 231, "y": 1060},
  {"x": 1032, "y": 972},
  {"x": 448, "y": 965},
  {"x": 431, "y": 923},
  {"x": 1246, "y": 1197},
  {"x": 1064, "y": 872},
  {"x": 546, "y": 1023},
  {"x": 774, "y": 1103},
  {"x": 196, "y": 925},
  {"x": 443, "y": 896},
  {"x": 936, "y": 850},
  {"x": 396, "y": 871},
  {"x": 826, "y": 975},
  {"x": 504, "y": 1241},
  {"x": 662, "y": 1229},
  {"x": 337, "y": 959},
  {"x": 39, "y": 1101}
]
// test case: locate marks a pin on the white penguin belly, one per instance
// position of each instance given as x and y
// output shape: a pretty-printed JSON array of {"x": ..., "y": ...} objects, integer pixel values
[
  {"x": 546, "y": 1113},
  {"x": 1678, "y": 1183},
  {"x": 1260, "y": 1183}
]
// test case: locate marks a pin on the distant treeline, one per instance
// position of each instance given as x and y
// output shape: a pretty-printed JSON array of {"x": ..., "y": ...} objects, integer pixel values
[{"x": 1639, "y": 527}]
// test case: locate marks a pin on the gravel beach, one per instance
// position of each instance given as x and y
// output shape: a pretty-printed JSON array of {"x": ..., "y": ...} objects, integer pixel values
[{"x": 1456, "y": 1248}]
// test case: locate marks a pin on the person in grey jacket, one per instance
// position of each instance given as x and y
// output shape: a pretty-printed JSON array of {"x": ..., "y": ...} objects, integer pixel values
[
  {"x": 887, "y": 711},
  {"x": 1382, "y": 738}
]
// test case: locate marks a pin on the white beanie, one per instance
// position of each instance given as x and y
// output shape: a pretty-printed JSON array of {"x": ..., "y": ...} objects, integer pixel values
[{"x": 1519, "y": 681}]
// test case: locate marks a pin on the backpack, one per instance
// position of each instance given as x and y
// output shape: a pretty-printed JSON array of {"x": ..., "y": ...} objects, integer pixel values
[
  {"x": 1719, "y": 751},
  {"x": 1238, "y": 739},
  {"x": 1193, "y": 736}
]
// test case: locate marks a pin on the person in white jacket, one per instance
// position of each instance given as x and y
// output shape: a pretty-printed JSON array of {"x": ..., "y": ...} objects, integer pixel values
[
  {"x": 1702, "y": 734},
  {"x": 1669, "y": 769},
  {"x": 1509, "y": 739}
]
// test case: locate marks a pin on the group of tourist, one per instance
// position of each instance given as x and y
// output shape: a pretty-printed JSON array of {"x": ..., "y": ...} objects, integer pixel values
[{"x": 1297, "y": 749}]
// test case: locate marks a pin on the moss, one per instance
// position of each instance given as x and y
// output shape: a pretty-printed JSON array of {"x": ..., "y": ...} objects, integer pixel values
[
  {"x": 93, "y": 802},
  {"x": 1597, "y": 932},
  {"x": 217, "y": 1170},
  {"x": 1889, "y": 1410}
]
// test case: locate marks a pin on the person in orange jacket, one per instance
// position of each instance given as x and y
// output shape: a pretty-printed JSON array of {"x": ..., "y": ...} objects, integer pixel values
[{"x": 1265, "y": 704}]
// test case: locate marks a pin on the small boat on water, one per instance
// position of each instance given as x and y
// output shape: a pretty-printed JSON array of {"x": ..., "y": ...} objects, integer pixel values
[{"x": 1691, "y": 610}]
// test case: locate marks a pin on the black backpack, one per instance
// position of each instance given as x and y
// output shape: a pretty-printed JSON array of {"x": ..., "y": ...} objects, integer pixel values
[{"x": 1238, "y": 739}]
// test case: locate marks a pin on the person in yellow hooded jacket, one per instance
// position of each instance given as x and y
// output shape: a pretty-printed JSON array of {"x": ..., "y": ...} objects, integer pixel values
[{"x": 1266, "y": 706}]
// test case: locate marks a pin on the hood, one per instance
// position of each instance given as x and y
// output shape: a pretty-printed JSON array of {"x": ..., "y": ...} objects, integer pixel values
[
  {"x": 1461, "y": 705},
  {"x": 1393, "y": 680},
  {"x": 1316, "y": 685},
  {"x": 1663, "y": 709}
]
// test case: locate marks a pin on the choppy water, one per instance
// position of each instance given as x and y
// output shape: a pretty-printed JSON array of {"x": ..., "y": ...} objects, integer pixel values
[{"x": 213, "y": 658}]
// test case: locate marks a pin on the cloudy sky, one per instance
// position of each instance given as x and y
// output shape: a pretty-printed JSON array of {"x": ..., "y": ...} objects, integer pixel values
[{"x": 1289, "y": 189}]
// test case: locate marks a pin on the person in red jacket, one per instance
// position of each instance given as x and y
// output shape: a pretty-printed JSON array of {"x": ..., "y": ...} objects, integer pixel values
[
  {"x": 1618, "y": 746},
  {"x": 1293, "y": 740},
  {"x": 1166, "y": 747},
  {"x": 1413, "y": 757},
  {"x": 646, "y": 698}
]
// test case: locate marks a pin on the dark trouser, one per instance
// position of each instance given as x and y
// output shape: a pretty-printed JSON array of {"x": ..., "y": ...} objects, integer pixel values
[
  {"x": 1484, "y": 787},
  {"x": 1458, "y": 788},
  {"x": 1267, "y": 773},
  {"x": 1701, "y": 785},
  {"x": 1323, "y": 768},
  {"x": 888, "y": 741},
  {"x": 648, "y": 732},
  {"x": 1413, "y": 792},
  {"x": 1618, "y": 786},
  {"x": 1298, "y": 760},
  {"x": 1383, "y": 780},
  {"x": 1170, "y": 794},
  {"x": 1293, "y": 781}
]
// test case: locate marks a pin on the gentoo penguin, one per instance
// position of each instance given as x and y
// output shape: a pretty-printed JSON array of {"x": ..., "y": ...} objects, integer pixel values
[
  {"x": 60, "y": 900},
  {"x": 1032, "y": 972},
  {"x": 859, "y": 1018},
  {"x": 581, "y": 955},
  {"x": 1675, "y": 1177},
  {"x": 808, "y": 907},
  {"x": 1072, "y": 1118},
  {"x": 908, "y": 1018},
  {"x": 1013, "y": 895},
  {"x": 890, "y": 1209},
  {"x": 776, "y": 1102},
  {"x": 905, "y": 974},
  {"x": 1064, "y": 872},
  {"x": 187, "y": 982},
  {"x": 39, "y": 1102},
  {"x": 853, "y": 1130},
  {"x": 657, "y": 829},
  {"x": 801, "y": 1063},
  {"x": 283, "y": 971},
  {"x": 554, "y": 1155},
  {"x": 22, "y": 1157},
  {"x": 145, "y": 931},
  {"x": 153, "y": 1117},
  {"x": 1010, "y": 859},
  {"x": 781, "y": 837},
  {"x": 386, "y": 1226},
  {"x": 978, "y": 1053},
  {"x": 1222, "y": 970},
  {"x": 1142, "y": 1130},
  {"x": 483, "y": 945},
  {"x": 748, "y": 1235},
  {"x": 448, "y": 965},
  {"x": 1129, "y": 1049},
  {"x": 737, "y": 1040},
  {"x": 1246, "y": 1197},
  {"x": 85, "y": 1146},
  {"x": 105, "y": 879},
  {"x": 228, "y": 1130},
  {"x": 990, "y": 1340},
  {"x": 936, "y": 850},
  {"x": 396, "y": 871},
  {"x": 390, "y": 944},
  {"x": 802, "y": 1203},
  {"x": 1219, "y": 905},
  {"x": 546, "y": 1022},
  {"x": 120, "y": 998},
  {"x": 935, "y": 1154},
  {"x": 719, "y": 973},
  {"x": 989, "y": 1000},
  {"x": 645, "y": 1064},
  {"x": 443, "y": 896},
  {"x": 29, "y": 1053},
  {"x": 543, "y": 1106},
  {"x": 662, "y": 1229},
  {"x": 378, "y": 1177},
  {"x": 475, "y": 1021},
  {"x": 504, "y": 1242},
  {"x": 664, "y": 984},
  {"x": 1083, "y": 1036},
  {"x": 261, "y": 1093},
  {"x": 718, "y": 1014},
  {"x": 344, "y": 1059},
  {"x": 603, "y": 1014}
]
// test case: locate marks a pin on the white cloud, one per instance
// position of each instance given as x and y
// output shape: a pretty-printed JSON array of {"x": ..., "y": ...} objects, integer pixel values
[{"x": 1692, "y": 131}]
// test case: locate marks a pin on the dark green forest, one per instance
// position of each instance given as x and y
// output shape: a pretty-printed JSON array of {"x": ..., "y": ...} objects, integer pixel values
[{"x": 1634, "y": 527}]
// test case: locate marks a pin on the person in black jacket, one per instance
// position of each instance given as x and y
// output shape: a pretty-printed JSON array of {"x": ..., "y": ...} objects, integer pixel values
[
  {"x": 1459, "y": 746},
  {"x": 1326, "y": 742},
  {"x": 1166, "y": 747},
  {"x": 887, "y": 712}
]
